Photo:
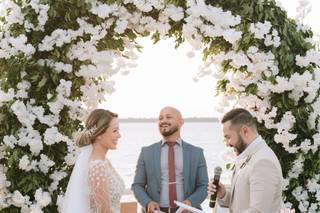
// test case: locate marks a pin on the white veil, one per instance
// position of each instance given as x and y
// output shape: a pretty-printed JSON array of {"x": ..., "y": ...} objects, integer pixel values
[{"x": 77, "y": 195}]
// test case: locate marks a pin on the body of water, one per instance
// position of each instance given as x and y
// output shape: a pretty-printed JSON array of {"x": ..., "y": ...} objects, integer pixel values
[{"x": 135, "y": 135}]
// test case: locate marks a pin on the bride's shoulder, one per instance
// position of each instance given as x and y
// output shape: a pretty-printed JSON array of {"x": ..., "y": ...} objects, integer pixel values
[
  {"x": 97, "y": 167},
  {"x": 97, "y": 162}
]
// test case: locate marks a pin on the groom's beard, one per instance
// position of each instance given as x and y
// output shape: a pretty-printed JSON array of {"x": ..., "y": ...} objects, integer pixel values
[
  {"x": 240, "y": 146},
  {"x": 167, "y": 131}
]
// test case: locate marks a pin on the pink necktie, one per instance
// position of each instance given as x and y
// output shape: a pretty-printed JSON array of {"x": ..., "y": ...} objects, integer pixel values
[{"x": 172, "y": 175}]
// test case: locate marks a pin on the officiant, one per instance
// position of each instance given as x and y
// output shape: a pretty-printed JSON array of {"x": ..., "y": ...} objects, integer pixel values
[{"x": 170, "y": 169}]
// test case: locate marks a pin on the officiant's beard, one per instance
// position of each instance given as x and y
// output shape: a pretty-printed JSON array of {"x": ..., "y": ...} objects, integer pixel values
[{"x": 169, "y": 132}]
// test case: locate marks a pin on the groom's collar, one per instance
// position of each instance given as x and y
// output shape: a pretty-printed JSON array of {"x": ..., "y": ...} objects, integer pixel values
[{"x": 251, "y": 147}]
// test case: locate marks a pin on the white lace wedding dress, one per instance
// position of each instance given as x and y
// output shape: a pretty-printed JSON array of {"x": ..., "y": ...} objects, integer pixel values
[{"x": 104, "y": 183}]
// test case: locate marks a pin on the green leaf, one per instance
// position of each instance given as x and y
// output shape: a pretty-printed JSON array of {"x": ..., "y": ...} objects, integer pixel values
[
  {"x": 230, "y": 166},
  {"x": 42, "y": 82}
]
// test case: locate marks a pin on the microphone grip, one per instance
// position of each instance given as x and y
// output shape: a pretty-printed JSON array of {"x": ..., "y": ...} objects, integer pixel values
[{"x": 213, "y": 197}]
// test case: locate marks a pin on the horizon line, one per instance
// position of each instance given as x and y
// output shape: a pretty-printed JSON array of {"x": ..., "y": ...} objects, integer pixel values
[{"x": 188, "y": 119}]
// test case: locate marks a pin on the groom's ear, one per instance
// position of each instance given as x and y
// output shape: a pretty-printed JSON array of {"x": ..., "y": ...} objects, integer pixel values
[{"x": 98, "y": 137}]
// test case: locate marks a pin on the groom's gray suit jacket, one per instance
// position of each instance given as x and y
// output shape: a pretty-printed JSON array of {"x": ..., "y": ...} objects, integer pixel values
[{"x": 146, "y": 184}]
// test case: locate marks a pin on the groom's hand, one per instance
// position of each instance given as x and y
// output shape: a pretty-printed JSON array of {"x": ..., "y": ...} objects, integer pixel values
[
  {"x": 152, "y": 206},
  {"x": 212, "y": 189}
]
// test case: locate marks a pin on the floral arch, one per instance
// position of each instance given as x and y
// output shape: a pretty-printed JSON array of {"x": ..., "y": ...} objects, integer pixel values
[{"x": 57, "y": 57}]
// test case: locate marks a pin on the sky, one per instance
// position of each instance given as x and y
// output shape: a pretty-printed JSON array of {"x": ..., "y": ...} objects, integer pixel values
[{"x": 164, "y": 77}]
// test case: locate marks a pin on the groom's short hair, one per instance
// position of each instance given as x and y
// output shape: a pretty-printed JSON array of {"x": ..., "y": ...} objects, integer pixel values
[{"x": 239, "y": 116}]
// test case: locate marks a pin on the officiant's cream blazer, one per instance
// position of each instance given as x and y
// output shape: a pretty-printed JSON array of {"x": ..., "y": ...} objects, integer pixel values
[{"x": 256, "y": 186}]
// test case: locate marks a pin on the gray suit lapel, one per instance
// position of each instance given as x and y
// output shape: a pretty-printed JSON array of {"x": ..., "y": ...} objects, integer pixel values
[
  {"x": 186, "y": 164},
  {"x": 157, "y": 161}
]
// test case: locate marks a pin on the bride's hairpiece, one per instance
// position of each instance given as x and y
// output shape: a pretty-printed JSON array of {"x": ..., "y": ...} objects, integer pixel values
[{"x": 91, "y": 130}]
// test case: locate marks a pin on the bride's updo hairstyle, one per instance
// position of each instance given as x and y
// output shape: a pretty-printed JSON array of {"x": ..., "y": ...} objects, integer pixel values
[{"x": 96, "y": 124}]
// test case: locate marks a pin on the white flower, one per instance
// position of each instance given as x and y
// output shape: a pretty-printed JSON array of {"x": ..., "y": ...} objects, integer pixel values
[
  {"x": 23, "y": 87},
  {"x": 43, "y": 198},
  {"x": 4, "y": 183},
  {"x": 2, "y": 152},
  {"x": 143, "y": 5},
  {"x": 56, "y": 176},
  {"x": 284, "y": 138},
  {"x": 59, "y": 66},
  {"x": 175, "y": 13},
  {"x": 312, "y": 56},
  {"x": 121, "y": 26},
  {"x": 313, "y": 185},
  {"x": 42, "y": 11},
  {"x": 52, "y": 136},
  {"x": 24, "y": 116},
  {"x": 35, "y": 146},
  {"x": 162, "y": 28},
  {"x": 50, "y": 120},
  {"x": 59, "y": 202},
  {"x": 316, "y": 139},
  {"x": 58, "y": 38},
  {"x": 18, "y": 199},
  {"x": 34, "y": 209},
  {"x": 287, "y": 210},
  {"x": 262, "y": 31},
  {"x": 12, "y": 12},
  {"x": 45, "y": 163},
  {"x": 232, "y": 35},
  {"x": 102, "y": 10},
  {"x": 6, "y": 96},
  {"x": 93, "y": 92},
  {"x": 64, "y": 88},
  {"x": 305, "y": 145},
  {"x": 25, "y": 163},
  {"x": 20, "y": 43},
  {"x": 10, "y": 141},
  {"x": 27, "y": 136},
  {"x": 70, "y": 159},
  {"x": 297, "y": 168}
]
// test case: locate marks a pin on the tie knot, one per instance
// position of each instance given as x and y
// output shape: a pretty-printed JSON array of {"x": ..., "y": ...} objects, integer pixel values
[{"x": 171, "y": 143}]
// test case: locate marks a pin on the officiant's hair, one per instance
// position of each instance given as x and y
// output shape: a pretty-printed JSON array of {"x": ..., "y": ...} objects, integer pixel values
[
  {"x": 96, "y": 124},
  {"x": 239, "y": 116}
]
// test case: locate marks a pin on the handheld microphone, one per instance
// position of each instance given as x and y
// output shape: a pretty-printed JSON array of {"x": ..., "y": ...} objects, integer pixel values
[{"x": 216, "y": 179}]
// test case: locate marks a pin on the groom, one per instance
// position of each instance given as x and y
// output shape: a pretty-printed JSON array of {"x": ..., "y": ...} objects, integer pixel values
[
  {"x": 256, "y": 185},
  {"x": 170, "y": 169}
]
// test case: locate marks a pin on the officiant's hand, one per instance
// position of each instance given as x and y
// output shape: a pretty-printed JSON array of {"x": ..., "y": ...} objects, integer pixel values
[
  {"x": 212, "y": 189},
  {"x": 187, "y": 202},
  {"x": 152, "y": 206}
]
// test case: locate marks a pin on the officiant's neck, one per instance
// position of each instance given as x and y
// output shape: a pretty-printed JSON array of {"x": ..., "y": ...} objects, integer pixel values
[{"x": 173, "y": 137}]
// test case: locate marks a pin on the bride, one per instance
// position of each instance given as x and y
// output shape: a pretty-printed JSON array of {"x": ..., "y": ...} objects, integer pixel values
[{"x": 94, "y": 185}]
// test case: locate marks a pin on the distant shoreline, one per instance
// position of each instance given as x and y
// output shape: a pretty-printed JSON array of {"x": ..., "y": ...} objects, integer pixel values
[{"x": 146, "y": 120}]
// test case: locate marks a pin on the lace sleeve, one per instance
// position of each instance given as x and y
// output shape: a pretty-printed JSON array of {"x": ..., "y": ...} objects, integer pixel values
[{"x": 98, "y": 186}]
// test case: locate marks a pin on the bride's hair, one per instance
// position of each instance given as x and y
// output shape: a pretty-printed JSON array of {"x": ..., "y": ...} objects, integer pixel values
[{"x": 96, "y": 124}]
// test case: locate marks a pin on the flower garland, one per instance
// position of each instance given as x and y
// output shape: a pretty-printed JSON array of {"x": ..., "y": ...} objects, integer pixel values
[{"x": 57, "y": 59}]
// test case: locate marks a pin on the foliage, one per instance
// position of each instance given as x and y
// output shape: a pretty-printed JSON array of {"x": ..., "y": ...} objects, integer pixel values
[{"x": 57, "y": 57}]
